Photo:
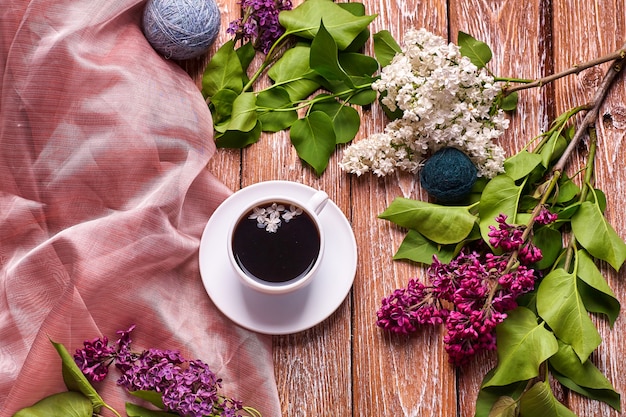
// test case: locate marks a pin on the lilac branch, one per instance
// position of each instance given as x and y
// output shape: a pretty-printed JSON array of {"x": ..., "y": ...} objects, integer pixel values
[
  {"x": 592, "y": 115},
  {"x": 617, "y": 55}
]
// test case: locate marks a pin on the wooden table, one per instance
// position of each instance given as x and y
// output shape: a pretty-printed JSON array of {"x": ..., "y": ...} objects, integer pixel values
[{"x": 346, "y": 366}]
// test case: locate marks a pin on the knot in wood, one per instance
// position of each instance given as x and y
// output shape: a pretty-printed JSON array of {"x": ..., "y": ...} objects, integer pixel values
[
  {"x": 615, "y": 117},
  {"x": 591, "y": 78}
]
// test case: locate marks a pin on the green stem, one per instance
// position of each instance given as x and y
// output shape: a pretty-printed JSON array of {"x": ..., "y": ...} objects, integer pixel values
[
  {"x": 112, "y": 410},
  {"x": 589, "y": 169},
  {"x": 255, "y": 76},
  {"x": 318, "y": 99},
  {"x": 513, "y": 262},
  {"x": 253, "y": 412},
  {"x": 513, "y": 80},
  {"x": 545, "y": 194},
  {"x": 559, "y": 125},
  {"x": 269, "y": 59},
  {"x": 587, "y": 183}
]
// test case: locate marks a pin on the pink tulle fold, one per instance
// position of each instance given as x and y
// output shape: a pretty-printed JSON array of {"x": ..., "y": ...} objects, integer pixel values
[{"x": 104, "y": 193}]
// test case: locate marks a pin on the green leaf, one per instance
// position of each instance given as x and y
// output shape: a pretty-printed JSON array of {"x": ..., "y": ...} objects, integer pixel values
[
  {"x": 64, "y": 404},
  {"x": 153, "y": 397},
  {"x": 596, "y": 293},
  {"x": 275, "y": 110},
  {"x": 325, "y": 57},
  {"x": 521, "y": 164},
  {"x": 417, "y": 248},
  {"x": 526, "y": 205},
  {"x": 246, "y": 54},
  {"x": 585, "y": 374},
  {"x": 523, "y": 344},
  {"x": 568, "y": 212},
  {"x": 488, "y": 397},
  {"x": 361, "y": 94},
  {"x": 293, "y": 73},
  {"x": 598, "y": 197},
  {"x": 238, "y": 139},
  {"x": 550, "y": 242},
  {"x": 509, "y": 102},
  {"x": 357, "y": 9},
  {"x": 596, "y": 235},
  {"x": 357, "y": 64},
  {"x": 221, "y": 105},
  {"x": 441, "y": 224},
  {"x": 599, "y": 302},
  {"x": 385, "y": 47},
  {"x": 243, "y": 115},
  {"x": 500, "y": 196},
  {"x": 223, "y": 71},
  {"x": 560, "y": 305},
  {"x": 528, "y": 300},
  {"x": 342, "y": 25},
  {"x": 478, "y": 52},
  {"x": 504, "y": 407},
  {"x": 540, "y": 401},
  {"x": 346, "y": 121},
  {"x": 607, "y": 396},
  {"x": 75, "y": 380},
  {"x": 553, "y": 148},
  {"x": 134, "y": 410},
  {"x": 363, "y": 97},
  {"x": 568, "y": 190},
  {"x": 359, "y": 41},
  {"x": 314, "y": 139}
]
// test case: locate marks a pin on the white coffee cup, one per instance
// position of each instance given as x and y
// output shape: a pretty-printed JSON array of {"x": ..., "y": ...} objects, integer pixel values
[{"x": 276, "y": 244}]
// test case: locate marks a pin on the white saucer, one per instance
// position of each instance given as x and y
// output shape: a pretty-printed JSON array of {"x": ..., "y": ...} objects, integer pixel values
[{"x": 278, "y": 314}]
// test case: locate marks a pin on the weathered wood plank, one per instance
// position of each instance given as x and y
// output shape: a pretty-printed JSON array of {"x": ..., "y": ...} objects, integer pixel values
[{"x": 393, "y": 376}]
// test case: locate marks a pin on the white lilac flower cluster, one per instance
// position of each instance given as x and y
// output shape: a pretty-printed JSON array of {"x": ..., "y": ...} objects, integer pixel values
[
  {"x": 445, "y": 102},
  {"x": 270, "y": 217}
]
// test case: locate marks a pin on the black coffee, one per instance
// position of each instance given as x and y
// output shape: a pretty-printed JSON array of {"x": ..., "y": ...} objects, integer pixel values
[{"x": 276, "y": 243}]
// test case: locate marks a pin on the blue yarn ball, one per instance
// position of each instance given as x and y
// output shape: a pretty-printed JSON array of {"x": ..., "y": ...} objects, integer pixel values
[
  {"x": 181, "y": 29},
  {"x": 448, "y": 175}
]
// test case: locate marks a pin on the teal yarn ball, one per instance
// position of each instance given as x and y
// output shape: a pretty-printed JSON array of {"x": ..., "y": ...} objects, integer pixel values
[
  {"x": 448, "y": 175},
  {"x": 181, "y": 29}
]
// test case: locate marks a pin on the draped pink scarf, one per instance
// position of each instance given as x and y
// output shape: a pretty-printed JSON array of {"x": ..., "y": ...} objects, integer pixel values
[{"x": 104, "y": 194}]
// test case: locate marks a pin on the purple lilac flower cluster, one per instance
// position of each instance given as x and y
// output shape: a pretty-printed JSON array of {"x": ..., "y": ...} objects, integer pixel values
[
  {"x": 471, "y": 294},
  {"x": 188, "y": 388},
  {"x": 259, "y": 23}
]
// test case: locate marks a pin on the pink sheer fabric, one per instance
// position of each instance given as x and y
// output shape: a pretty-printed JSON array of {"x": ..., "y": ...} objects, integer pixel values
[{"x": 104, "y": 194}]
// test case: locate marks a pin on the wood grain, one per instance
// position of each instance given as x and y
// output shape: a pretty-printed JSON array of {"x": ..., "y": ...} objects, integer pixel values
[
  {"x": 393, "y": 376},
  {"x": 346, "y": 366}
]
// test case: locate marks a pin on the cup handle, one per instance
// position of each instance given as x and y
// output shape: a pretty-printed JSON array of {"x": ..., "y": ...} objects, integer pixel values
[{"x": 317, "y": 202}]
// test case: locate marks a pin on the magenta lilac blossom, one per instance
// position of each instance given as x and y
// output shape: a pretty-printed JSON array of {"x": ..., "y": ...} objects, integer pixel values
[
  {"x": 470, "y": 295},
  {"x": 545, "y": 217},
  {"x": 259, "y": 23},
  {"x": 505, "y": 236},
  {"x": 187, "y": 387},
  {"x": 95, "y": 357},
  {"x": 406, "y": 308}
]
